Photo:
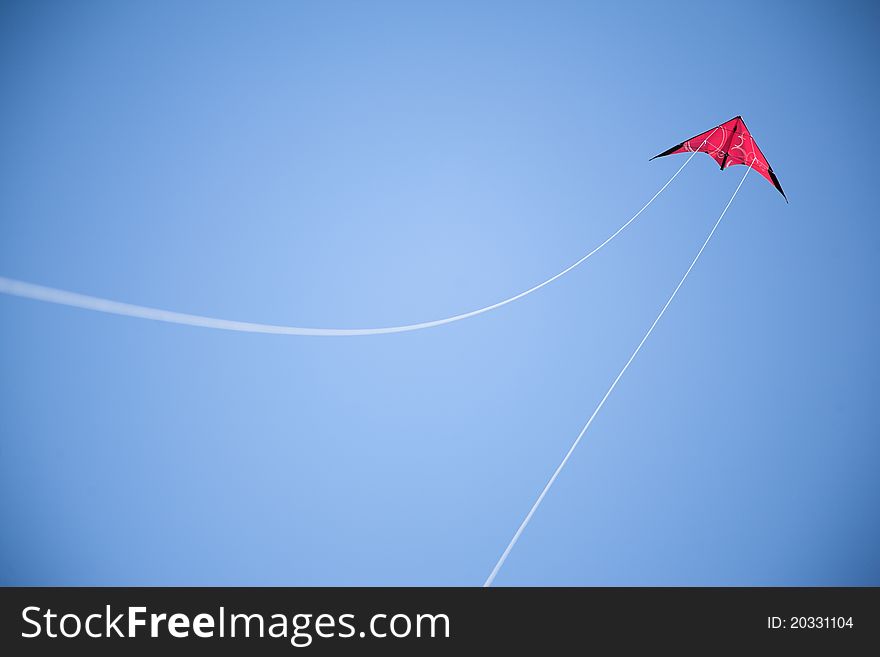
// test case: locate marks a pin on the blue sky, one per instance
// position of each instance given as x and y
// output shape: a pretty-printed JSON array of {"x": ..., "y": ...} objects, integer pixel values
[{"x": 352, "y": 164}]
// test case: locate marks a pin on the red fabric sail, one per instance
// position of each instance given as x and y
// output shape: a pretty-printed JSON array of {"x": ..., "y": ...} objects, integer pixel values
[{"x": 728, "y": 144}]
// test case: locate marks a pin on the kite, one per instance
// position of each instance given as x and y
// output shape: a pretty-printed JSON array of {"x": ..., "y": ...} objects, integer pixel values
[{"x": 729, "y": 144}]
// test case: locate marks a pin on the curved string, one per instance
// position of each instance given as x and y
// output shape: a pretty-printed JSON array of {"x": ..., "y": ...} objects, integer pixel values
[{"x": 18, "y": 288}]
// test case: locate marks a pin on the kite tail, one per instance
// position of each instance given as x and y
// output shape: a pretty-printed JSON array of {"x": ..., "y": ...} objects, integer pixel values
[
  {"x": 13, "y": 287},
  {"x": 525, "y": 522}
]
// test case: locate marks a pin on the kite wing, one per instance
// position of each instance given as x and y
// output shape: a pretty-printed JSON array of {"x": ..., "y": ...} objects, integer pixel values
[{"x": 729, "y": 144}]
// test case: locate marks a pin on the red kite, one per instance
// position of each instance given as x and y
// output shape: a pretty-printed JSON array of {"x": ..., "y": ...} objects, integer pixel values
[{"x": 730, "y": 143}]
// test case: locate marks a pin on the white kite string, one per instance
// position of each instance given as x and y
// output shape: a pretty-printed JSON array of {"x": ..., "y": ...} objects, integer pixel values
[
  {"x": 36, "y": 292},
  {"x": 574, "y": 445}
]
